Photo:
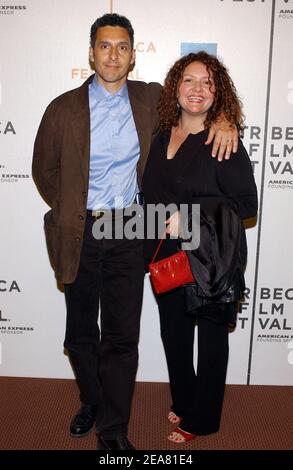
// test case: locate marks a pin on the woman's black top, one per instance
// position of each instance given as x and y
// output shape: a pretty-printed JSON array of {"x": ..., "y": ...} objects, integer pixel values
[{"x": 194, "y": 173}]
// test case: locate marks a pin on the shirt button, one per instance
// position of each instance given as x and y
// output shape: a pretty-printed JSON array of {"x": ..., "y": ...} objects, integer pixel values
[
  {"x": 77, "y": 239},
  {"x": 81, "y": 217}
]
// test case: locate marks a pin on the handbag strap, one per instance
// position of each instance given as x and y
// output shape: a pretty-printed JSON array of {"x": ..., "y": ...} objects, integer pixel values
[{"x": 158, "y": 248}]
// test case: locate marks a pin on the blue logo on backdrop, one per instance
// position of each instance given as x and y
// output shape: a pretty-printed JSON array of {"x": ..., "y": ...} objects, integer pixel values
[{"x": 209, "y": 47}]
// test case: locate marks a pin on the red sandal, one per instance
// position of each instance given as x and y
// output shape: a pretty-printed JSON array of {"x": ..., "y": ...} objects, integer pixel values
[
  {"x": 173, "y": 418},
  {"x": 187, "y": 436}
]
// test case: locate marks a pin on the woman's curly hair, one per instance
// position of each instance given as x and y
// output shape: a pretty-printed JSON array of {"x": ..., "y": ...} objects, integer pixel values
[{"x": 226, "y": 102}]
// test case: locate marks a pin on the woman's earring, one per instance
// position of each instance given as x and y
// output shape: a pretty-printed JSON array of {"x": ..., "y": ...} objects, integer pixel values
[{"x": 178, "y": 105}]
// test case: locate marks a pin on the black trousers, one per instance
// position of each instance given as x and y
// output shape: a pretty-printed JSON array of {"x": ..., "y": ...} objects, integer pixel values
[
  {"x": 104, "y": 359},
  {"x": 197, "y": 396}
]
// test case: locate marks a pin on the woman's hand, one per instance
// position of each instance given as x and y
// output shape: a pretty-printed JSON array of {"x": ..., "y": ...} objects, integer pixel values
[
  {"x": 173, "y": 226},
  {"x": 225, "y": 137}
]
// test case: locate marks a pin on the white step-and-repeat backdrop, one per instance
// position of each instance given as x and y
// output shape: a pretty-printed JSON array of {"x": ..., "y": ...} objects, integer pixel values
[{"x": 44, "y": 52}]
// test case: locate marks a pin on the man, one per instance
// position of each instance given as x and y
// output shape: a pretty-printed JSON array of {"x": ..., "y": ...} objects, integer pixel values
[{"x": 89, "y": 154}]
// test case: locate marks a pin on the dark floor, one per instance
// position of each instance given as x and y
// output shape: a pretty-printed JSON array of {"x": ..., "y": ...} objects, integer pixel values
[{"x": 35, "y": 414}]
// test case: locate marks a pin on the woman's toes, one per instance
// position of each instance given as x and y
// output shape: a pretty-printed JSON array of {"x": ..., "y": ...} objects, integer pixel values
[
  {"x": 173, "y": 418},
  {"x": 176, "y": 437}
]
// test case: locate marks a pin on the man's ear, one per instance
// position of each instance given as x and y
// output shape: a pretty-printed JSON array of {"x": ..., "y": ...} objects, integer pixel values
[
  {"x": 91, "y": 54},
  {"x": 132, "y": 57}
]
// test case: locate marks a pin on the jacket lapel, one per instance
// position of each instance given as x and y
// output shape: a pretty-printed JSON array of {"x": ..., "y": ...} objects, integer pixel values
[
  {"x": 141, "y": 114},
  {"x": 81, "y": 126}
]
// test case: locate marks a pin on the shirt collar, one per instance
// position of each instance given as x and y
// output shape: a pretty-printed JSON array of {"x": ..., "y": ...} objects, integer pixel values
[{"x": 101, "y": 93}]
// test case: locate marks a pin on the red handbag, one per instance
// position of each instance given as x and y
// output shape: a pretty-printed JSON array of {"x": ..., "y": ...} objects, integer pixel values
[{"x": 171, "y": 272}]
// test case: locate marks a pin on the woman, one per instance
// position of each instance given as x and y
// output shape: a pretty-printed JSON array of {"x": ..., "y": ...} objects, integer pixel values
[{"x": 196, "y": 92}]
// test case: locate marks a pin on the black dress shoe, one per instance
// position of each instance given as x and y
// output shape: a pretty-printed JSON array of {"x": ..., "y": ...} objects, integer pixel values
[
  {"x": 117, "y": 443},
  {"x": 83, "y": 422}
]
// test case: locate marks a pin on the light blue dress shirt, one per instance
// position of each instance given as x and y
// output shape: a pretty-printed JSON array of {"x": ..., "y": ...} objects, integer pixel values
[{"x": 114, "y": 149}]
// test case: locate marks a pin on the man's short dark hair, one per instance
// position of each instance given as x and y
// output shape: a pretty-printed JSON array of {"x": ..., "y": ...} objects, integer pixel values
[{"x": 112, "y": 19}]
